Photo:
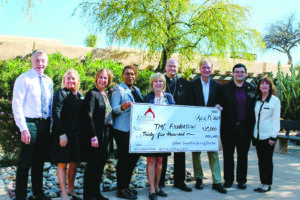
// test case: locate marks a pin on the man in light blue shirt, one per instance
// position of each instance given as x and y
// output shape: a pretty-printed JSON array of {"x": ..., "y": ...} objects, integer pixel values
[{"x": 32, "y": 109}]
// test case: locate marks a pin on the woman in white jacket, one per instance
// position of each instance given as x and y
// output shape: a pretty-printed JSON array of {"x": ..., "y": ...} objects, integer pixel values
[{"x": 267, "y": 126}]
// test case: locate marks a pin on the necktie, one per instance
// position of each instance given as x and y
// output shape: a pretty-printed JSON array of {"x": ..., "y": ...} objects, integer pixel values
[{"x": 43, "y": 98}]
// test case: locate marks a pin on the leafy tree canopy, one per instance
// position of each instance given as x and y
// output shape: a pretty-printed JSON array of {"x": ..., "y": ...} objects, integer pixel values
[
  {"x": 283, "y": 35},
  {"x": 213, "y": 27}
]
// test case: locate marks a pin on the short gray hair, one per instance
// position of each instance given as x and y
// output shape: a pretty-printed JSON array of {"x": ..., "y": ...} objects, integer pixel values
[
  {"x": 38, "y": 51},
  {"x": 203, "y": 61}
]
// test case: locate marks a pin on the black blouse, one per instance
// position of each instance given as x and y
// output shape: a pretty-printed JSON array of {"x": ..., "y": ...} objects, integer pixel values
[{"x": 136, "y": 96}]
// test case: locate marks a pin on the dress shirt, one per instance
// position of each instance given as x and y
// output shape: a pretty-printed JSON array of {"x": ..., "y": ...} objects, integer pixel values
[
  {"x": 205, "y": 89},
  {"x": 267, "y": 115},
  {"x": 27, "y": 97},
  {"x": 241, "y": 98}
]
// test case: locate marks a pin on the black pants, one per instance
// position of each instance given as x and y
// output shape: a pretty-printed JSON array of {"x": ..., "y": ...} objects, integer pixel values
[
  {"x": 163, "y": 171},
  {"x": 265, "y": 161},
  {"x": 33, "y": 155},
  {"x": 240, "y": 139},
  {"x": 96, "y": 160},
  {"x": 126, "y": 161},
  {"x": 179, "y": 169}
]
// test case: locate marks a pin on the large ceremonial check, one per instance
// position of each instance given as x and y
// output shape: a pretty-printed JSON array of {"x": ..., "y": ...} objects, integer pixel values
[{"x": 170, "y": 128}]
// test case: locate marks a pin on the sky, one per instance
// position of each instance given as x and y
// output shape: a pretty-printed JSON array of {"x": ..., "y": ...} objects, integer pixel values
[{"x": 53, "y": 19}]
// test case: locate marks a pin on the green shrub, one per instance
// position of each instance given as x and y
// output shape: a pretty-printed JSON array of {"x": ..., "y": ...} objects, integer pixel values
[
  {"x": 288, "y": 87},
  {"x": 58, "y": 65},
  {"x": 91, "y": 40},
  {"x": 9, "y": 137}
]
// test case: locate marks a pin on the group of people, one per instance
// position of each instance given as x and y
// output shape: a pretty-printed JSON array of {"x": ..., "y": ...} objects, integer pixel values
[{"x": 83, "y": 128}]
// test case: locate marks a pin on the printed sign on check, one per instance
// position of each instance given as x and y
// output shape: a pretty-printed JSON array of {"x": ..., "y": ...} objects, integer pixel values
[{"x": 173, "y": 128}]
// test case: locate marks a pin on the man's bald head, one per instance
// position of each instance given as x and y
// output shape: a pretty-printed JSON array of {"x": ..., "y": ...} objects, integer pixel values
[{"x": 172, "y": 67}]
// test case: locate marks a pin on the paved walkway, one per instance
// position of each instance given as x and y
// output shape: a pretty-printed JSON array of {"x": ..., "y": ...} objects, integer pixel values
[{"x": 286, "y": 182}]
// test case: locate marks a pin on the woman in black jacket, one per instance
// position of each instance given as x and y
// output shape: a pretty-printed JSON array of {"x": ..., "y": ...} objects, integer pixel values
[
  {"x": 67, "y": 117},
  {"x": 98, "y": 114}
]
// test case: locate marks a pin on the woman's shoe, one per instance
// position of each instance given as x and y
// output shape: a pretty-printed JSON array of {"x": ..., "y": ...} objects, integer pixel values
[
  {"x": 161, "y": 193},
  {"x": 152, "y": 196},
  {"x": 266, "y": 188}
]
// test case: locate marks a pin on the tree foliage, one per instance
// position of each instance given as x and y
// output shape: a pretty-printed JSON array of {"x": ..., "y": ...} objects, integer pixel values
[
  {"x": 288, "y": 87},
  {"x": 91, "y": 40},
  {"x": 27, "y": 6},
  {"x": 213, "y": 27},
  {"x": 283, "y": 35}
]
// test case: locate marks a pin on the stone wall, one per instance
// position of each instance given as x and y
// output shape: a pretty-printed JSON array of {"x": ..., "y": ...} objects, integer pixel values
[
  {"x": 12, "y": 46},
  {"x": 128, "y": 56}
]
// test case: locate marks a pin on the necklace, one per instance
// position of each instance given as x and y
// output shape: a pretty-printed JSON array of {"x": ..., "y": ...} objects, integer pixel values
[{"x": 174, "y": 87}]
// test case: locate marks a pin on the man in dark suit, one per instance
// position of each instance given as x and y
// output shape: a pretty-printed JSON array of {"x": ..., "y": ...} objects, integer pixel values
[
  {"x": 205, "y": 92},
  {"x": 178, "y": 87},
  {"x": 237, "y": 122}
]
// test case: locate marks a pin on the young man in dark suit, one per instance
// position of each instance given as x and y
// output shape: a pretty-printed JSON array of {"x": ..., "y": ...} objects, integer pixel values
[
  {"x": 204, "y": 93},
  {"x": 237, "y": 122}
]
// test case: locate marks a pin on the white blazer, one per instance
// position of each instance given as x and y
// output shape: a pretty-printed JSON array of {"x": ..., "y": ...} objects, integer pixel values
[{"x": 267, "y": 116}]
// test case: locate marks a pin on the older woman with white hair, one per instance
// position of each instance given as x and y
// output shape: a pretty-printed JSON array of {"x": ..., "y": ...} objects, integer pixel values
[{"x": 67, "y": 116}]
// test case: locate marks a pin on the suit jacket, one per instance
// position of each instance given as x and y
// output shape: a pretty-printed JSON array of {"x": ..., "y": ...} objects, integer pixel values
[
  {"x": 181, "y": 95},
  {"x": 120, "y": 94},
  {"x": 94, "y": 111},
  {"x": 67, "y": 112},
  {"x": 149, "y": 98},
  {"x": 197, "y": 93},
  {"x": 229, "y": 113}
]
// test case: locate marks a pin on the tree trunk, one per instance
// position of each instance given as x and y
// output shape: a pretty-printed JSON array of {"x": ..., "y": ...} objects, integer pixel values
[
  {"x": 289, "y": 57},
  {"x": 166, "y": 53},
  {"x": 163, "y": 61}
]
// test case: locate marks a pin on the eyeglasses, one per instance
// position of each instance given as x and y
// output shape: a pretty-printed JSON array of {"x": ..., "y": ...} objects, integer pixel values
[
  {"x": 172, "y": 66},
  {"x": 239, "y": 72}
]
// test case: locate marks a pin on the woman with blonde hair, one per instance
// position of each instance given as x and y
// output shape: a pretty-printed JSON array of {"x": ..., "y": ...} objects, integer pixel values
[
  {"x": 154, "y": 160},
  {"x": 67, "y": 119}
]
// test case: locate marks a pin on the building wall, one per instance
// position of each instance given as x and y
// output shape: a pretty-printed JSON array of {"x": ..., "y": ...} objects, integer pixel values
[{"x": 13, "y": 46}]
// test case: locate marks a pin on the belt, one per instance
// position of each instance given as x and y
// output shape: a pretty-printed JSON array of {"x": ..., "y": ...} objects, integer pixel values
[{"x": 36, "y": 119}]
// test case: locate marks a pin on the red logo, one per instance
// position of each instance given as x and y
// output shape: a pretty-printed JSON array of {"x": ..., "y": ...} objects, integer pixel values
[{"x": 150, "y": 111}]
